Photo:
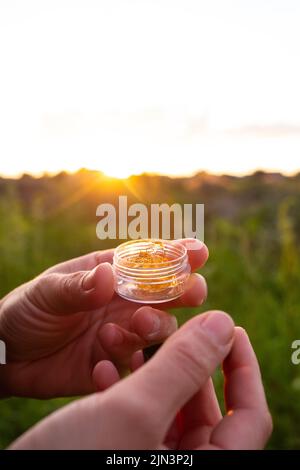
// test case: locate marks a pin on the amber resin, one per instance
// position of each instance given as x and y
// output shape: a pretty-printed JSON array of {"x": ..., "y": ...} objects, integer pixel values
[
  {"x": 151, "y": 270},
  {"x": 153, "y": 257}
]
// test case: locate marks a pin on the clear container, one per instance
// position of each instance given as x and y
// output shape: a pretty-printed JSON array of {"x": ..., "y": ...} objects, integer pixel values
[{"x": 150, "y": 271}]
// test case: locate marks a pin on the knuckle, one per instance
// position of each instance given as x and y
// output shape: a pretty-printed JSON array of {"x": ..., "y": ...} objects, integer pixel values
[
  {"x": 133, "y": 409},
  {"x": 141, "y": 412},
  {"x": 195, "y": 362},
  {"x": 36, "y": 289},
  {"x": 68, "y": 282}
]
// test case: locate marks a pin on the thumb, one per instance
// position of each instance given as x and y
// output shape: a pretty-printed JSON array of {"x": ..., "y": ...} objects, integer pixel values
[
  {"x": 181, "y": 367},
  {"x": 70, "y": 293}
]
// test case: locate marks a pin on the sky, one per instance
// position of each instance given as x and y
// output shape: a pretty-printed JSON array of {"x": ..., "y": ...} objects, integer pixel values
[{"x": 167, "y": 86}]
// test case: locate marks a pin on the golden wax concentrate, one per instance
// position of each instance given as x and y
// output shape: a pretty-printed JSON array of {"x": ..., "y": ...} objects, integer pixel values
[
  {"x": 152, "y": 257},
  {"x": 150, "y": 271}
]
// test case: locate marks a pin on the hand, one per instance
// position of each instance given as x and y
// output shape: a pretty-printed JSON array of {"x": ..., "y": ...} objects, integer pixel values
[
  {"x": 139, "y": 411},
  {"x": 58, "y": 326}
]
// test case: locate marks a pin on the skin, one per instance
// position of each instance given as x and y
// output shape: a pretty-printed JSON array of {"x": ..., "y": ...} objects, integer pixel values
[
  {"x": 139, "y": 412},
  {"x": 67, "y": 333},
  {"x": 59, "y": 326}
]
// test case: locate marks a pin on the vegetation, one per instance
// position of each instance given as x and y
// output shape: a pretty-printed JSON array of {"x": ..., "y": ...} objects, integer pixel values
[{"x": 252, "y": 230}]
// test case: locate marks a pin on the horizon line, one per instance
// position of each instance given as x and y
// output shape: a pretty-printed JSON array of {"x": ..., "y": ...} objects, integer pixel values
[{"x": 45, "y": 173}]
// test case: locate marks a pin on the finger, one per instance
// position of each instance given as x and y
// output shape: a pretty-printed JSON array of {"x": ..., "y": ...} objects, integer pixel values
[
  {"x": 152, "y": 325},
  {"x": 197, "y": 252},
  {"x": 119, "y": 344},
  {"x": 83, "y": 263},
  {"x": 179, "y": 369},
  {"x": 248, "y": 423},
  {"x": 148, "y": 326},
  {"x": 194, "y": 295},
  {"x": 174, "y": 433},
  {"x": 104, "y": 375},
  {"x": 137, "y": 360},
  {"x": 200, "y": 415},
  {"x": 71, "y": 293},
  {"x": 151, "y": 396}
]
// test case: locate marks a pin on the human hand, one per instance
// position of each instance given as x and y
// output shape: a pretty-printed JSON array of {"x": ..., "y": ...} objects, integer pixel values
[
  {"x": 58, "y": 326},
  {"x": 139, "y": 411}
]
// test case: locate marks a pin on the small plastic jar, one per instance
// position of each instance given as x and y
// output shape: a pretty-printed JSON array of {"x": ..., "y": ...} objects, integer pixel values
[{"x": 150, "y": 271}]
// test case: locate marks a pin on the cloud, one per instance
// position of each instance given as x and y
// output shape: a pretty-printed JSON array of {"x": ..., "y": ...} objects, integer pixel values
[
  {"x": 266, "y": 131},
  {"x": 155, "y": 121},
  {"x": 197, "y": 126},
  {"x": 74, "y": 123}
]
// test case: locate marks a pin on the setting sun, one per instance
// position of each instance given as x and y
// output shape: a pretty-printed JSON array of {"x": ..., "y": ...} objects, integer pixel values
[
  {"x": 114, "y": 171},
  {"x": 162, "y": 103}
]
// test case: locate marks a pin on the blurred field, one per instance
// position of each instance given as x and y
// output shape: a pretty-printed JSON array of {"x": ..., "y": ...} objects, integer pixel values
[{"x": 252, "y": 230}]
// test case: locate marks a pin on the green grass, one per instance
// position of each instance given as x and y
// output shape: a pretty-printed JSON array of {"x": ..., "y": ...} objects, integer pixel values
[{"x": 253, "y": 273}]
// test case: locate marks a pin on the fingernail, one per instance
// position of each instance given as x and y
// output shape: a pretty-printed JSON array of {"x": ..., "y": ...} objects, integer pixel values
[
  {"x": 196, "y": 290},
  {"x": 194, "y": 244},
  {"x": 204, "y": 298},
  {"x": 151, "y": 324},
  {"x": 89, "y": 280},
  {"x": 173, "y": 325},
  {"x": 219, "y": 326}
]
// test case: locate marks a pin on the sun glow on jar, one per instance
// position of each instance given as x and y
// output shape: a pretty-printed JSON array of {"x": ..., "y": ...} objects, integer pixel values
[{"x": 151, "y": 271}]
